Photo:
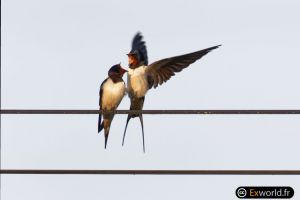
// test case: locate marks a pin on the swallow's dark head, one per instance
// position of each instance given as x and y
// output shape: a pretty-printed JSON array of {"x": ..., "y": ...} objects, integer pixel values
[{"x": 116, "y": 71}]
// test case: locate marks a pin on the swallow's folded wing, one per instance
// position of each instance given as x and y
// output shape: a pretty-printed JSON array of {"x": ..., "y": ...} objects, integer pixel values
[
  {"x": 100, "y": 125},
  {"x": 101, "y": 93},
  {"x": 162, "y": 70}
]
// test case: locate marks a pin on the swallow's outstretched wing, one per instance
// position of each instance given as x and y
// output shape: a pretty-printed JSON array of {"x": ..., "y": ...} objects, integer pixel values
[
  {"x": 161, "y": 71},
  {"x": 138, "y": 46}
]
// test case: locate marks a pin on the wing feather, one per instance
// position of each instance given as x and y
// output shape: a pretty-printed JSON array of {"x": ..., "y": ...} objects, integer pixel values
[
  {"x": 161, "y": 71},
  {"x": 139, "y": 45},
  {"x": 101, "y": 93}
]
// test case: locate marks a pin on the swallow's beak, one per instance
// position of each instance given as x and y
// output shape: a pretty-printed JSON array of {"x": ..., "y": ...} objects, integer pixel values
[
  {"x": 122, "y": 70},
  {"x": 131, "y": 54}
]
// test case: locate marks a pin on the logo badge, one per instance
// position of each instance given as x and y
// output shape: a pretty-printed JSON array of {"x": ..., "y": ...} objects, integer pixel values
[{"x": 265, "y": 192}]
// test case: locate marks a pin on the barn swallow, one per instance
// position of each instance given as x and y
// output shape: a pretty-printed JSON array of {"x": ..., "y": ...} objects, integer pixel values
[
  {"x": 112, "y": 91},
  {"x": 141, "y": 77}
]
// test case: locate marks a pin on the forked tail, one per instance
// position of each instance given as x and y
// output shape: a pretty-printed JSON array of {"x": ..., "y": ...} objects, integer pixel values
[
  {"x": 142, "y": 124},
  {"x": 106, "y": 133},
  {"x": 136, "y": 105},
  {"x": 128, "y": 119},
  {"x": 100, "y": 125}
]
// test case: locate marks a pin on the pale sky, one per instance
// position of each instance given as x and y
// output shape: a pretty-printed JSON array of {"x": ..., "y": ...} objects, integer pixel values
[{"x": 55, "y": 54}]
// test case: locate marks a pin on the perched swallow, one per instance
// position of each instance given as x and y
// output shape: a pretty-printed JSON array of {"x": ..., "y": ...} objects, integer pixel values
[
  {"x": 142, "y": 77},
  {"x": 112, "y": 91}
]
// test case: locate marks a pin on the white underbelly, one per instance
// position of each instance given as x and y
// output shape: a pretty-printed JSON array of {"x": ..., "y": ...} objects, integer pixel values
[
  {"x": 112, "y": 95},
  {"x": 137, "y": 82}
]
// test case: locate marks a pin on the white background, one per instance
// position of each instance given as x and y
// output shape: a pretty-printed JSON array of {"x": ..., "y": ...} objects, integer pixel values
[{"x": 55, "y": 54}]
